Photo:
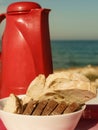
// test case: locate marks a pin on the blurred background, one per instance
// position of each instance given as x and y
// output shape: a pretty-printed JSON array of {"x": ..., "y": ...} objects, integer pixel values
[{"x": 73, "y": 31}]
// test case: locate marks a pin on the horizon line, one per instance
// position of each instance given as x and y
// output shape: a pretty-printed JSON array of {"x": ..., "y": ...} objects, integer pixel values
[{"x": 74, "y": 39}]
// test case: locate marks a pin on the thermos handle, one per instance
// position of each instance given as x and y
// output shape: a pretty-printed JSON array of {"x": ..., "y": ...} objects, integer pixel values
[{"x": 2, "y": 17}]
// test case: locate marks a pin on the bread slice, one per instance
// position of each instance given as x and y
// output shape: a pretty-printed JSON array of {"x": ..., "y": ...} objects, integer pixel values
[
  {"x": 36, "y": 86},
  {"x": 69, "y": 87},
  {"x": 40, "y": 107},
  {"x": 72, "y": 107},
  {"x": 13, "y": 105},
  {"x": 49, "y": 107},
  {"x": 59, "y": 109},
  {"x": 64, "y": 76},
  {"x": 35, "y": 89},
  {"x": 30, "y": 107}
]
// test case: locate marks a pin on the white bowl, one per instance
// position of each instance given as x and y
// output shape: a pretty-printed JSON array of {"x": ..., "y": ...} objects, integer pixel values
[{"x": 27, "y": 122}]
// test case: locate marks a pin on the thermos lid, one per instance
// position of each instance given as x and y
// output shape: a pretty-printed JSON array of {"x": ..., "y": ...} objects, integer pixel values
[{"x": 22, "y": 6}]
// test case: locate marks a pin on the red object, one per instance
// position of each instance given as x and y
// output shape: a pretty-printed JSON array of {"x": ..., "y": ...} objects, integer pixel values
[
  {"x": 2, "y": 127},
  {"x": 26, "y": 50},
  {"x": 91, "y": 112}
]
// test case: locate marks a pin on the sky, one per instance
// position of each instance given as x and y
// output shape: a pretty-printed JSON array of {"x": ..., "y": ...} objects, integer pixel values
[{"x": 68, "y": 19}]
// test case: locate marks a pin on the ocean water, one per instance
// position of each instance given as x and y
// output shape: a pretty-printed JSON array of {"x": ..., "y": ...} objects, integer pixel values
[{"x": 66, "y": 54}]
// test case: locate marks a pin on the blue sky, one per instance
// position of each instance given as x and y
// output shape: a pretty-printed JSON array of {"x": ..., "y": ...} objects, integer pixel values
[{"x": 68, "y": 19}]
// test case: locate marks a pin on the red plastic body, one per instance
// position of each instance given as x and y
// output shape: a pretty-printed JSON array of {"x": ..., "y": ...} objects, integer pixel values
[{"x": 26, "y": 50}]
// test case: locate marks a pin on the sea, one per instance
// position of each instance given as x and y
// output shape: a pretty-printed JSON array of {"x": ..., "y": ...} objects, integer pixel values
[{"x": 74, "y": 53}]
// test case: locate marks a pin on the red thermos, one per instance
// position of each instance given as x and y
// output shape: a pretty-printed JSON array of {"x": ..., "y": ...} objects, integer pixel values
[{"x": 26, "y": 50}]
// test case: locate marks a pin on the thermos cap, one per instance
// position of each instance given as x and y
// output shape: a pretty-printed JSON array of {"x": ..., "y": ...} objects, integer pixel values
[{"x": 22, "y": 6}]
